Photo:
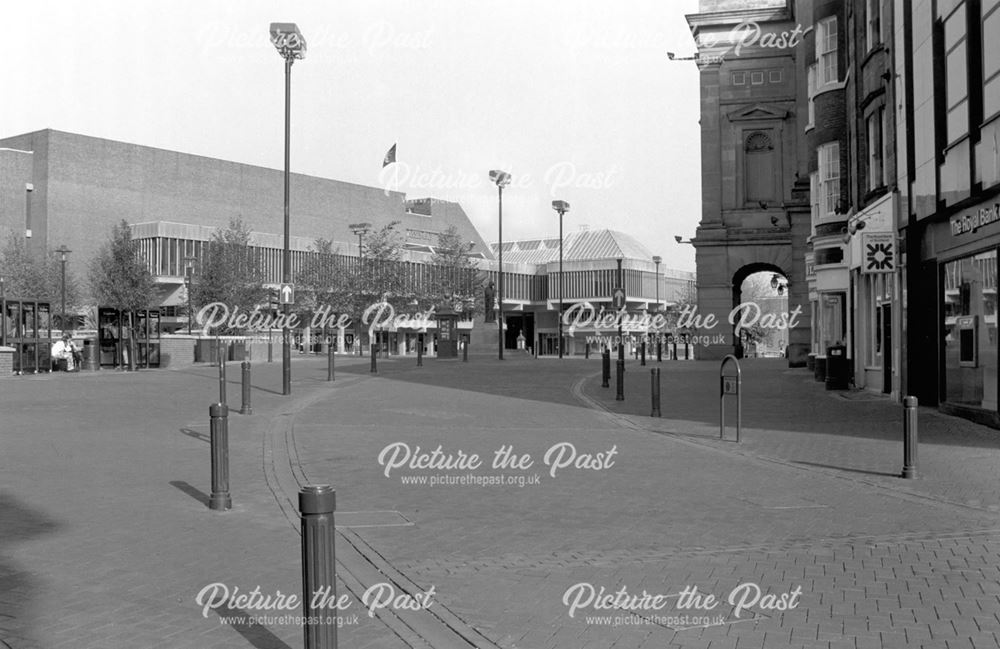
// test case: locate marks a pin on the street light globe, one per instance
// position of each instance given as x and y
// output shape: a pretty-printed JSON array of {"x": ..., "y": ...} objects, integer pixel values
[
  {"x": 657, "y": 259},
  {"x": 288, "y": 40},
  {"x": 499, "y": 178}
]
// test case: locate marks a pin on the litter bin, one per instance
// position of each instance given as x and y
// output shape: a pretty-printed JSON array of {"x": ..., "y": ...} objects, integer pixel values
[
  {"x": 837, "y": 368},
  {"x": 91, "y": 355}
]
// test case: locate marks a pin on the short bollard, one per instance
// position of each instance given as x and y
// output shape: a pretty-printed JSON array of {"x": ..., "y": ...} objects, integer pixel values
[
  {"x": 654, "y": 386},
  {"x": 605, "y": 368},
  {"x": 329, "y": 359},
  {"x": 219, "y": 423},
  {"x": 317, "y": 504},
  {"x": 465, "y": 351},
  {"x": 642, "y": 354},
  {"x": 659, "y": 350},
  {"x": 420, "y": 351},
  {"x": 909, "y": 437},
  {"x": 270, "y": 348},
  {"x": 586, "y": 352},
  {"x": 675, "y": 351},
  {"x": 246, "y": 408},
  {"x": 620, "y": 380},
  {"x": 374, "y": 369}
]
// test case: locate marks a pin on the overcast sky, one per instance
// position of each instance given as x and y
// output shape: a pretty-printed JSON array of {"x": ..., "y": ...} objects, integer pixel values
[{"x": 576, "y": 99}]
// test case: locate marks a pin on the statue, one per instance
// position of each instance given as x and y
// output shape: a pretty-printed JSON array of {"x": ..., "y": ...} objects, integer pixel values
[{"x": 490, "y": 296}]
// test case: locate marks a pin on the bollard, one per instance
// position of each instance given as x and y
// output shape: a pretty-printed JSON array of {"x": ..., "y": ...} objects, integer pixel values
[
  {"x": 465, "y": 351},
  {"x": 659, "y": 350},
  {"x": 909, "y": 438},
  {"x": 605, "y": 368},
  {"x": 620, "y": 380},
  {"x": 643, "y": 353},
  {"x": 675, "y": 351},
  {"x": 219, "y": 425},
  {"x": 420, "y": 350},
  {"x": 586, "y": 352},
  {"x": 270, "y": 349},
  {"x": 317, "y": 504},
  {"x": 329, "y": 358},
  {"x": 246, "y": 408},
  {"x": 654, "y": 386},
  {"x": 222, "y": 372},
  {"x": 374, "y": 369}
]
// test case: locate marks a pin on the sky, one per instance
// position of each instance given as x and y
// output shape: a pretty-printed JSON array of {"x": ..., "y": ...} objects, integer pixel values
[{"x": 577, "y": 100}]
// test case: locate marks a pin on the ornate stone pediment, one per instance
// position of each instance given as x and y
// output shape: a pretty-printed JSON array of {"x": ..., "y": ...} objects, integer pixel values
[{"x": 758, "y": 111}]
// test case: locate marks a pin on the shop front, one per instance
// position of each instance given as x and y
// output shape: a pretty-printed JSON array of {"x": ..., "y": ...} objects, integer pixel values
[{"x": 966, "y": 251}]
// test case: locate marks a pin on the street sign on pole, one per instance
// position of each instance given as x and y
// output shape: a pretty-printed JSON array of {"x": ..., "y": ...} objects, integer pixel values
[
  {"x": 287, "y": 294},
  {"x": 618, "y": 298}
]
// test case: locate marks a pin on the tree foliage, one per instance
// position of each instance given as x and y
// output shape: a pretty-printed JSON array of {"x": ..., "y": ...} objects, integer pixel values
[
  {"x": 231, "y": 272},
  {"x": 455, "y": 279},
  {"x": 29, "y": 276},
  {"x": 118, "y": 277}
]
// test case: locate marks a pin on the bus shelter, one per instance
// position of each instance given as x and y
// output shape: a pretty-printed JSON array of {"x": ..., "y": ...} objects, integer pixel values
[{"x": 26, "y": 326}]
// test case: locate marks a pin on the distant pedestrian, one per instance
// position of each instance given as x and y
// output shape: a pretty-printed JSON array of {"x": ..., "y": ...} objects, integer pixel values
[{"x": 65, "y": 354}]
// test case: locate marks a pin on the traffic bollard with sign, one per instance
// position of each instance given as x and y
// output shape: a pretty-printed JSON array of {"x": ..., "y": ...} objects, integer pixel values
[{"x": 730, "y": 385}]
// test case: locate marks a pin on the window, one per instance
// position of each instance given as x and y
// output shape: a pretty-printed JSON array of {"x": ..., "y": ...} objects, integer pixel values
[
  {"x": 956, "y": 85},
  {"x": 814, "y": 195},
  {"x": 826, "y": 52},
  {"x": 811, "y": 81},
  {"x": 873, "y": 30},
  {"x": 991, "y": 58},
  {"x": 829, "y": 179},
  {"x": 759, "y": 168},
  {"x": 774, "y": 76},
  {"x": 970, "y": 324},
  {"x": 875, "y": 132},
  {"x": 756, "y": 78},
  {"x": 739, "y": 78}
]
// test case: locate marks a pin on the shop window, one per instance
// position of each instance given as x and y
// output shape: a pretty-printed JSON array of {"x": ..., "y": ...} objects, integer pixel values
[{"x": 970, "y": 330}]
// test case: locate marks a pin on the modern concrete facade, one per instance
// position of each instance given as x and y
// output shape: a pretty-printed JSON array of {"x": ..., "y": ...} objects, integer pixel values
[{"x": 755, "y": 209}]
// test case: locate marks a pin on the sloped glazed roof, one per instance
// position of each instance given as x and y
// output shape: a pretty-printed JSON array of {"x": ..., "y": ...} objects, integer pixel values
[{"x": 577, "y": 246}]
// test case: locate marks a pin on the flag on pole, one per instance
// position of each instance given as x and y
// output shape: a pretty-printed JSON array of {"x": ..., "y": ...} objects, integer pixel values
[{"x": 390, "y": 157}]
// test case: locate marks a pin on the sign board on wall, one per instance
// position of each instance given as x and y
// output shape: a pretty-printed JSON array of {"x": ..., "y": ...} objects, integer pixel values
[{"x": 878, "y": 250}]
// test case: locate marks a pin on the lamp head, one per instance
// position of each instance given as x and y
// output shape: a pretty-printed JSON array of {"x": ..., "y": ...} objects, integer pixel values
[
  {"x": 360, "y": 228},
  {"x": 288, "y": 40},
  {"x": 63, "y": 251},
  {"x": 774, "y": 281},
  {"x": 657, "y": 259},
  {"x": 499, "y": 178},
  {"x": 677, "y": 238},
  {"x": 560, "y": 206}
]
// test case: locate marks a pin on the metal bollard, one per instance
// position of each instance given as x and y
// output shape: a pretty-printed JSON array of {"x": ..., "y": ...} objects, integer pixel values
[
  {"x": 222, "y": 373},
  {"x": 374, "y": 369},
  {"x": 465, "y": 351},
  {"x": 586, "y": 352},
  {"x": 605, "y": 368},
  {"x": 246, "y": 408},
  {"x": 654, "y": 386},
  {"x": 659, "y": 350},
  {"x": 329, "y": 358},
  {"x": 909, "y": 437},
  {"x": 270, "y": 347},
  {"x": 620, "y": 380},
  {"x": 420, "y": 351},
  {"x": 317, "y": 504},
  {"x": 643, "y": 353},
  {"x": 219, "y": 424}
]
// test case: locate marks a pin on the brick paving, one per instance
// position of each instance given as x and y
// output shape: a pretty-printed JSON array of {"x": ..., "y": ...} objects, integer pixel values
[{"x": 105, "y": 540}]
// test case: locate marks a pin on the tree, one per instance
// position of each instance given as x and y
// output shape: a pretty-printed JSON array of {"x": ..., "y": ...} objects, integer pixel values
[
  {"x": 120, "y": 279},
  {"x": 37, "y": 277},
  {"x": 455, "y": 278},
  {"x": 321, "y": 283},
  {"x": 231, "y": 273}
]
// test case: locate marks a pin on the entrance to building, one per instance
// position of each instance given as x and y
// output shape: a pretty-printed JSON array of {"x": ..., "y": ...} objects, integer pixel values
[
  {"x": 763, "y": 290},
  {"x": 516, "y": 325}
]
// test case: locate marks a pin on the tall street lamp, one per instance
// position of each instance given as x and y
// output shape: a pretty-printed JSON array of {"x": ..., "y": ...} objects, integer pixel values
[
  {"x": 3, "y": 314},
  {"x": 290, "y": 45},
  {"x": 63, "y": 251},
  {"x": 656, "y": 260},
  {"x": 360, "y": 230},
  {"x": 562, "y": 207},
  {"x": 188, "y": 281},
  {"x": 501, "y": 179}
]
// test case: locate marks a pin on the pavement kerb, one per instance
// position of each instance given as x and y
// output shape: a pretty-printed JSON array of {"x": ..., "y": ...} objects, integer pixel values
[
  {"x": 635, "y": 423},
  {"x": 359, "y": 565}
]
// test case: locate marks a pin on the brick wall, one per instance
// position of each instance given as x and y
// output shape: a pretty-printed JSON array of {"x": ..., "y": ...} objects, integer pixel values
[
  {"x": 176, "y": 351},
  {"x": 6, "y": 362}
]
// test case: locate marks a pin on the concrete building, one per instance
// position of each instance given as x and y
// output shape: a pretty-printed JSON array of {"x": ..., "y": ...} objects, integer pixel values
[{"x": 62, "y": 188}]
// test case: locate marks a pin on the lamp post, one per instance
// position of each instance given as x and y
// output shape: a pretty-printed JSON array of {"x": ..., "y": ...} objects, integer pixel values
[
  {"x": 63, "y": 251},
  {"x": 501, "y": 179},
  {"x": 620, "y": 374},
  {"x": 188, "y": 281},
  {"x": 290, "y": 44},
  {"x": 657, "y": 260},
  {"x": 562, "y": 207},
  {"x": 360, "y": 230},
  {"x": 3, "y": 314}
]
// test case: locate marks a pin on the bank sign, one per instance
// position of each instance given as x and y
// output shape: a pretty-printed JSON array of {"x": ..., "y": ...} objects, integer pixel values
[{"x": 971, "y": 222}]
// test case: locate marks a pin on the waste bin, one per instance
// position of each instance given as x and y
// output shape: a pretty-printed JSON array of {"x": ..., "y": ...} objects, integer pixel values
[
  {"x": 819, "y": 368},
  {"x": 91, "y": 355},
  {"x": 837, "y": 368}
]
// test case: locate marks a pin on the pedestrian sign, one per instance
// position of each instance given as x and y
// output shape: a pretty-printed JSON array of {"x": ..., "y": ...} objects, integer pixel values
[
  {"x": 618, "y": 298},
  {"x": 287, "y": 294}
]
